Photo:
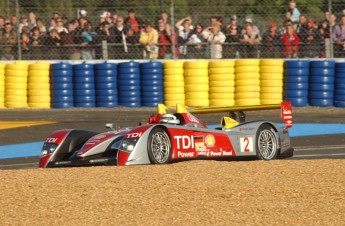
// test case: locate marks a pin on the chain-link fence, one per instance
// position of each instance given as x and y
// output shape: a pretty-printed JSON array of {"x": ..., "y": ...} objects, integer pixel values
[{"x": 104, "y": 29}]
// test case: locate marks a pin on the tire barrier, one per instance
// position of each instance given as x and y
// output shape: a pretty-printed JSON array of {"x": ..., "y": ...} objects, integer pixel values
[
  {"x": 39, "y": 85},
  {"x": 61, "y": 81},
  {"x": 16, "y": 78},
  {"x": 321, "y": 83},
  {"x": 247, "y": 82},
  {"x": 128, "y": 82},
  {"x": 2, "y": 85},
  {"x": 84, "y": 85},
  {"x": 106, "y": 85},
  {"x": 174, "y": 85},
  {"x": 196, "y": 83},
  {"x": 222, "y": 82},
  {"x": 151, "y": 77},
  {"x": 296, "y": 82},
  {"x": 339, "y": 93},
  {"x": 271, "y": 81}
]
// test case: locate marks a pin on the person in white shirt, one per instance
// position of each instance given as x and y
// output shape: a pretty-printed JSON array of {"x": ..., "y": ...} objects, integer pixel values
[{"x": 215, "y": 39}]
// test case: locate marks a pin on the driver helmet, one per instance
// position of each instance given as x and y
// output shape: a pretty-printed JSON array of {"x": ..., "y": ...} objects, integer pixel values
[{"x": 169, "y": 119}]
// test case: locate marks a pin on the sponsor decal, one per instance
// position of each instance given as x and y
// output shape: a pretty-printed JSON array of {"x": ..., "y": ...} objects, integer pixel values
[
  {"x": 286, "y": 114},
  {"x": 184, "y": 142},
  {"x": 185, "y": 154},
  {"x": 134, "y": 135},
  {"x": 51, "y": 140},
  {"x": 192, "y": 118},
  {"x": 98, "y": 137},
  {"x": 214, "y": 154},
  {"x": 199, "y": 143},
  {"x": 246, "y": 144},
  {"x": 225, "y": 152},
  {"x": 210, "y": 140}
]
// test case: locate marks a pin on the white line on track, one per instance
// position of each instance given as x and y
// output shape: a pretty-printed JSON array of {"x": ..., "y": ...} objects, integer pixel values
[
  {"x": 19, "y": 164},
  {"x": 317, "y": 155},
  {"x": 319, "y": 148}
]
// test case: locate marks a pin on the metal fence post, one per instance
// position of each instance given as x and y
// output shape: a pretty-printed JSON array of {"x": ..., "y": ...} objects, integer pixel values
[
  {"x": 172, "y": 29},
  {"x": 18, "y": 34},
  {"x": 331, "y": 52},
  {"x": 105, "y": 50}
]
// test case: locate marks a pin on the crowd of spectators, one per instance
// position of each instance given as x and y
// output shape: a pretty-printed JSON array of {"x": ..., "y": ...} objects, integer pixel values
[{"x": 130, "y": 37}]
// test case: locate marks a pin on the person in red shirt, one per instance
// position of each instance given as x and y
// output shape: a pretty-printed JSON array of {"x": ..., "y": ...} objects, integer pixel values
[
  {"x": 291, "y": 42},
  {"x": 133, "y": 21},
  {"x": 166, "y": 39}
]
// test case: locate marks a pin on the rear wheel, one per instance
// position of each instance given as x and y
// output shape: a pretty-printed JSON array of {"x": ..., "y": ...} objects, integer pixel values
[
  {"x": 266, "y": 143},
  {"x": 159, "y": 146}
]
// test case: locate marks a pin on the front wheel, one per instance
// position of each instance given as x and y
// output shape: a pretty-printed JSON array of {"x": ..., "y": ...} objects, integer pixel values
[
  {"x": 159, "y": 146},
  {"x": 266, "y": 143}
]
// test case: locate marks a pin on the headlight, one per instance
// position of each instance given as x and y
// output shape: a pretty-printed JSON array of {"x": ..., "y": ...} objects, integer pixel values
[
  {"x": 128, "y": 144},
  {"x": 48, "y": 149}
]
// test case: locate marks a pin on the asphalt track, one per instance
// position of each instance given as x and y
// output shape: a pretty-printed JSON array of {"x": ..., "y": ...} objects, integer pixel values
[{"x": 43, "y": 122}]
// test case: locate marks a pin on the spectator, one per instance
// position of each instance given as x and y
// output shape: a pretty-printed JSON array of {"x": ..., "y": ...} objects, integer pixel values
[
  {"x": 135, "y": 22},
  {"x": 22, "y": 22},
  {"x": 149, "y": 39},
  {"x": 32, "y": 20},
  {"x": 114, "y": 18},
  {"x": 294, "y": 12},
  {"x": 83, "y": 13},
  {"x": 215, "y": 39},
  {"x": 119, "y": 33},
  {"x": 184, "y": 27},
  {"x": 132, "y": 41},
  {"x": 234, "y": 23},
  {"x": 8, "y": 40},
  {"x": 52, "y": 25},
  {"x": 25, "y": 44},
  {"x": 302, "y": 25},
  {"x": 311, "y": 42},
  {"x": 71, "y": 52},
  {"x": 197, "y": 42},
  {"x": 232, "y": 41},
  {"x": 53, "y": 45},
  {"x": 249, "y": 21},
  {"x": 87, "y": 50},
  {"x": 36, "y": 42},
  {"x": 163, "y": 17},
  {"x": 291, "y": 42},
  {"x": 60, "y": 26},
  {"x": 250, "y": 40},
  {"x": 272, "y": 42},
  {"x": 41, "y": 27},
  {"x": 169, "y": 41},
  {"x": 339, "y": 38},
  {"x": 14, "y": 22},
  {"x": 2, "y": 23}
]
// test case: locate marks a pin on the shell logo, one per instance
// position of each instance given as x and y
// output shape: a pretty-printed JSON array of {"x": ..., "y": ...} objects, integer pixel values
[
  {"x": 210, "y": 140},
  {"x": 98, "y": 137}
]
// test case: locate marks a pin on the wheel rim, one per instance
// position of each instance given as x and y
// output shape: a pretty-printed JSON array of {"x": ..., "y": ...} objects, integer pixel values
[
  {"x": 267, "y": 144},
  {"x": 160, "y": 146}
]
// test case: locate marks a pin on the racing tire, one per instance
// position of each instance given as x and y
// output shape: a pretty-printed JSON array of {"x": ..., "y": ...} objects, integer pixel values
[
  {"x": 173, "y": 71},
  {"x": 247, "y": 75},
  {"x": 221, "y": 63},
  {"x": 339, "y": 104},
  {"x": 271, "y": 69},
  {"x": 247, "y": 62},
  {"x": 246, "y": 69},
  {"x": 196, "y": 73},
  {"x": 173, "y": 64},
  {"x": 222, "y": 77},
  {"x": 198, "y": 64},
  {"x": 159, "y": 146},
  {"x": 271, "y": 83},
  {"x": 221, "y": 71},
  {"x": 272, "y": 62},
  {"x": 322, "y": 64},
  {"x": 266, "y": 143},
  {"x": 272, "y": 76},
  {"x": 296, "y": 64}
]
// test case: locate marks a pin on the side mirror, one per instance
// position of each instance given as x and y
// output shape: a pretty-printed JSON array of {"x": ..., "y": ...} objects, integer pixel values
[{"x": 110, "y": 126}]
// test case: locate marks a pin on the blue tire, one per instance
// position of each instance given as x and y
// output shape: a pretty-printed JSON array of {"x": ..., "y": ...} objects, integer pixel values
[
  {"x": 105, "y": 79},
  {"x": 321, "y": 102},
  {"x": 128, "y": 83},
  {"x": 62, "y": 79},
  {"x": 296, "y": 71},
  {"x": 106, "y": 92},
  {"x": 129, "y": 76},
  {"x": 321, "y": 72},
  {"x": 84, "y": 86},
  {"x": 105, "y": 66},
  {"x": 129, "y": 99},
  {"x": 295, "y": 93},
  {"x": 58, "y": 86},
  {"x": 152, "y": 94},
  {"x": 106, "y": 85},
  {"x": 152, "y": 89},
  {"x": 298, "y": 102},
  {"x": 132, "y": 93},
  {"x": 339, "y": 86},
  {"x": 339, "y": 80},
  {"x": 62, "y": 92},
  {"x": 61, "y": 66},
  {"x": 84, "y": 73},
  {"x": 151, "y": 64},
  {"x": 151, "y": 83},
  {"x": 296, "y": 64},
  {"x": 80, "y": 79},
  {"x": 85, "y": 105},
  {"x": 148, "y": 77},
  {"x": 321, "y": 95},
  {"x": 152, "y": 99},
  {"x": 106, "y": 99},
  {"x": 62, "y": 105},
  {"x": 105, "y": 73},
  {"x": 321, "y": 79},
  {"x": 149, "y": 71},
  {"x": 133, "y": 70},
  {"x": 106, "y": 104},
  {"x": 82, "y": 92},
  {"x": 340, "y": 75},
  {"x": 339, "y": 104},
  {"x": 339, "y": 91},
  {"x": 321, "y": 87},
  {"x": 84, "y": 99},
  {"x": 130, "y": 104},
  {"x": 322, "y": 64},
  {"x": 83, "y": 67},
  {"x": 296, "y": 86},
  {"x": 339, "y": 97},
  {"x": 129, "y": 64},
  {"x": 150, "y": 104},
  {"x": 62, "y": 99},
  {"x": 296, "y": 79},
  {"x": 128, "y": 88},
  {"x": 61, "y": 73}
]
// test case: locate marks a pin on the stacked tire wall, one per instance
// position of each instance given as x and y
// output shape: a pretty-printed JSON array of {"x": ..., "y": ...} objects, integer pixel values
[
  {"x": 174, "y": 86},
  {"x": 61, "y": 83},
  {"x": 16, "y": 85},
  {"x": 339, "y": 90},
  {"x": 129, "y": 84},
  {"x": 151, "y": 75},
  {"x": 39, "y": 85},
  {"x": 2, "y": 85}
]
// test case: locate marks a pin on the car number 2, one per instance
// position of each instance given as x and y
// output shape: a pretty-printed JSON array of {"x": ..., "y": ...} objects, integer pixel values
[{"x": 246, "y": 144}]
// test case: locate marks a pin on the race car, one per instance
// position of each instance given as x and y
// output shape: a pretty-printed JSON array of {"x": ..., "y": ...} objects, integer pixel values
[{"x": 170, "y": 138}]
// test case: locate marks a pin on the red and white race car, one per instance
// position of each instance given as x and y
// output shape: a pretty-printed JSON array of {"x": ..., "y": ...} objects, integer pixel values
[{"x": 170, "y": 138}]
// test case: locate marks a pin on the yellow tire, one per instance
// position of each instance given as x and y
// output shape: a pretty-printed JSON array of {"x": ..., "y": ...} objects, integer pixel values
[
  {"x": 39, "y": 66},
  {"x": 271, "y": 69},
  {"x": 197, "y": 88},
  {"x": 35, "y": 86},
  {"x": 271, "y": 101},
  {"x": 246, "y": 69},
  {"x": 271, "y": 83},
  {"x": 39, "y": 99},
  {"x": 16, "y": 86},
  {"x": 174, "y": 90},
  {"x": 16, "y": 104},
  {"x": 272, "y": 62},
  {"x": 271, "y": 96},
  {"x": 239, "y": 89},
  {"x": 11, "y": 79},
  {"x": 247, "y": 62},
  {"x": 173, "y": 64},
  {"x": 16, "y": 73},
  {"x": 247, "y": 82},
  {"x": 17, "y": 67},
  {"x": 2, "y": 94},
  {"x": 16, "y": 92},
  {"x": 173, "y": 97},
  {"x": 39, "y": 92},
  {"x": 16, "y": 98},
  {"x": 173, "y": 103},
  {"x": 174, "y": 84},
  {"x": 247, "y": 102},
  {"x": 39, "y": 73},
  {"x": 173, "y": 78},
  {"x": 2, "y": 66},
  {"x": 222, "y": 83},
  {"x": 221, "y": 102},
  {"x": 222, "y": 96},
  {"x": 39, "y": 105},
  {"x": 199, "y": 64},
  {"x": 197, "y": 102},
  {"x": 173, "y": 71},
  {"x": 221, "y": 63},
  {"x": 39, "y": 80},
  {"x": 247, "y": 75},
  {"x": 271, "y": 89},
  {"x": 247, "y": 95},
  {"x": 230, "y": 70},
  {"x": 197, "y": 95},
  {"x": 196, "y": 80},
  {"x": 196, "y": 73},
  {"x": 222, "y": 89},
  {"x": 222, "y": 77},
  {"x": 271, "y": 76}
]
